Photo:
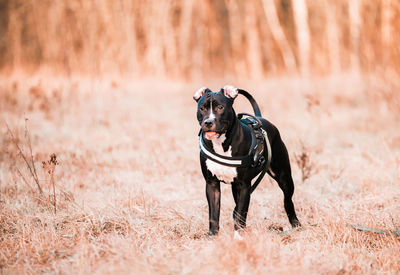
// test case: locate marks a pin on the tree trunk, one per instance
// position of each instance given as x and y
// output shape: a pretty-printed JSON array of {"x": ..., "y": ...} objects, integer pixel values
[
  {"x": 386, "y": 31},
  {"x": 355, "y": 26},
  {"x": 279, "y": 35},
  {"x": 303, "y": 34},
  {"x": 332, "y": 34}
]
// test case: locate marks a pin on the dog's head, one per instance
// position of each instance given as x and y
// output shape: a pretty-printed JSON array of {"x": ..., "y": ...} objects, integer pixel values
[{"x": 214, "y": 110}]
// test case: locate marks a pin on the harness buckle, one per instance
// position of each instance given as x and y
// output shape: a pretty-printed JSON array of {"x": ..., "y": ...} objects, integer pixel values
[{"x": 254, "y": 123}]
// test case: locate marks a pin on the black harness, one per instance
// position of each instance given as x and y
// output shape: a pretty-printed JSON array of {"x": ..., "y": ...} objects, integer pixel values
[{"x": 255, "y": 157}]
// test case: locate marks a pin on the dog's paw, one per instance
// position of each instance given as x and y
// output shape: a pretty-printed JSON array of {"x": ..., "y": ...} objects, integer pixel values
[
  {"x": 295, "y": 223},
  {"x": 230, "y": 91},
  {"x": 237, "y": 236},
  {"x": 199, "y": 93}
]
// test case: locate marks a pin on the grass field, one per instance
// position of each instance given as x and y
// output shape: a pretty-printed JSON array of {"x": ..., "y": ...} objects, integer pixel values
[{"x": 130, "y": 197}]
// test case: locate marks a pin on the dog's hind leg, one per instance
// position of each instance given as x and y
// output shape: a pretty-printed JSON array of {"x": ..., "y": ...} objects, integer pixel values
[
  {"x": 285, "y": 182},
  {"x": 283, "y": 176}
]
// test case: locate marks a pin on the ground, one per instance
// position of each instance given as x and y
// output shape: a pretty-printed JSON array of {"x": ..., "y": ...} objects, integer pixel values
[{"x": 130, "y": 197}]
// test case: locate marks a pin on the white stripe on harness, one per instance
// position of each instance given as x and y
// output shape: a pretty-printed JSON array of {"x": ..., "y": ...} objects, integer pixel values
[{"x": 212, "y": 156}]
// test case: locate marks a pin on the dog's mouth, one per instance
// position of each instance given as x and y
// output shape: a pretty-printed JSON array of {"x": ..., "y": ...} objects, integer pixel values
[
  {"x": 211, "y": 135},
  {"x": 214, "y": 132}
]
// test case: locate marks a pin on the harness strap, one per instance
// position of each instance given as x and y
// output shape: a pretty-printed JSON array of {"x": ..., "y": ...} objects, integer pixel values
[
  {"x": 266, "y": 166},
  {"x": 219, "y": 159},
  {"x": 243, "y": 161},
  {"x": 269, "y": 151}
]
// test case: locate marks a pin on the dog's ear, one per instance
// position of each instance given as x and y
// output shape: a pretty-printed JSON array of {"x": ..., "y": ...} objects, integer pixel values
[
  {"x": 230, "y": 91},
  {"x": 199, "y": 93}
]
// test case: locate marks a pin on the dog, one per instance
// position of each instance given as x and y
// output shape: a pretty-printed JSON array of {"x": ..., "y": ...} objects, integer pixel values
[{"x": 226, "y": 137}]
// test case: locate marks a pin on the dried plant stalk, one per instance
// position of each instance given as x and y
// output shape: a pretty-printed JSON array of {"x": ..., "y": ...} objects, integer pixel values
[
  {"x": 30, "y": 164},
  {"x": 303, "y": 161},
  {"x": 50, "y": 167}
]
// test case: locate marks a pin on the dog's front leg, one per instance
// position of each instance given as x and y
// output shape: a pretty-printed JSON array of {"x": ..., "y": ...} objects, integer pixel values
[
  {"x": 214, "y": 201},
  {"x": 241, "y": 194}
]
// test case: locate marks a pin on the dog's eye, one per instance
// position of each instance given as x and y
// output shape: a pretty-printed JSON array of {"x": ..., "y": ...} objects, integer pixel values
[
  {"x": 220, "y": 107},
  {"x": 202, "y": 108}
]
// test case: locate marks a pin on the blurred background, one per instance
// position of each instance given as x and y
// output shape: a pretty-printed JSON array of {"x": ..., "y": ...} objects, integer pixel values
[{"x": 187, "y": 39}]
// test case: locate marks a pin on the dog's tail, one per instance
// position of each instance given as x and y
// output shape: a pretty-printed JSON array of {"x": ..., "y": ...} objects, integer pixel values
[{"x": 254, "y": 104}]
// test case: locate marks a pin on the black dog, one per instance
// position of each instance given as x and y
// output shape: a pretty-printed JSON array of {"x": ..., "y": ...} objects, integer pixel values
[{"x": 229, "y": 141}]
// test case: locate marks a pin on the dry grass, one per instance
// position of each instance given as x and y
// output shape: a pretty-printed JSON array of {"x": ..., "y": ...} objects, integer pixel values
[{"x": 130, "y": 195}]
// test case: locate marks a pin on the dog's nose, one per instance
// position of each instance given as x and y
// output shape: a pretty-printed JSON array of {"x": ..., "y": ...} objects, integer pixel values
[{"x": 208, "y": 122}]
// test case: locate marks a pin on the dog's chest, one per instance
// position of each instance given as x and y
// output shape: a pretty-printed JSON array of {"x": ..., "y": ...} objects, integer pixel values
[{"x": 222, "y": 172}]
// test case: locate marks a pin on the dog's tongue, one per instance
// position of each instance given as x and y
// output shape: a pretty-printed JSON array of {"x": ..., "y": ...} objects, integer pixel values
[{"x": 210, "y": 135}]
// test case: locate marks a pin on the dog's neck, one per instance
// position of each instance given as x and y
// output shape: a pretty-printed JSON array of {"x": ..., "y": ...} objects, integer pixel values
[
  {"x": 235, "y": 139},
  {"x": 234, "y": 130}
]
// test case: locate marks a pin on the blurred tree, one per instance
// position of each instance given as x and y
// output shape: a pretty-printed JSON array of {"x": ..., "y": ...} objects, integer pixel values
[
  {"x": 4, "y": 43},
  {"x": 193, "y": 39}
]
